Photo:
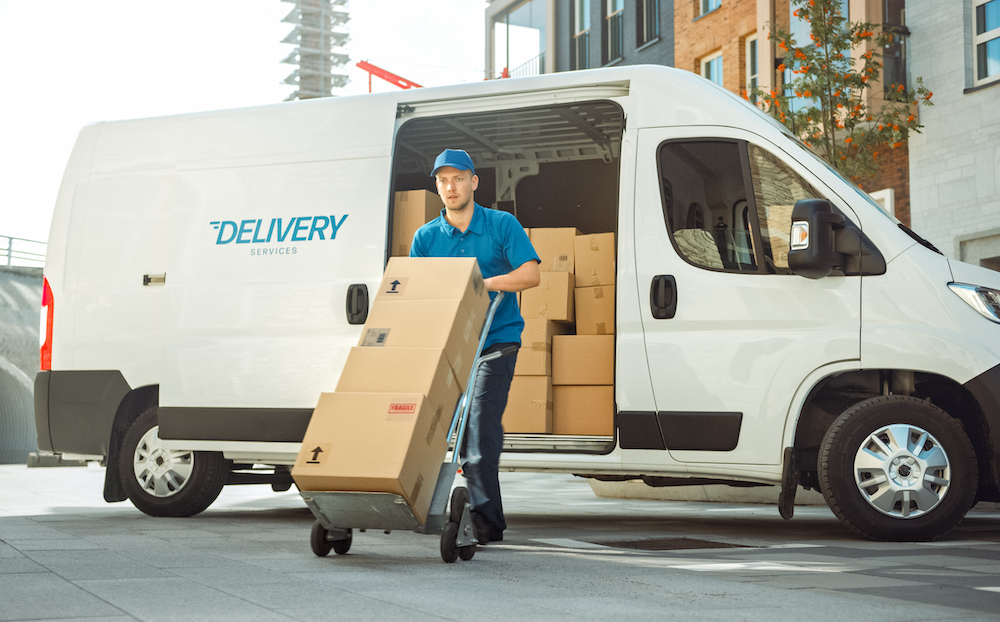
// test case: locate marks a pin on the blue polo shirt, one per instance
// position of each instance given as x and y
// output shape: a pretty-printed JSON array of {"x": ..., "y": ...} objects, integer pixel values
[{"x": 497, "y": 240}]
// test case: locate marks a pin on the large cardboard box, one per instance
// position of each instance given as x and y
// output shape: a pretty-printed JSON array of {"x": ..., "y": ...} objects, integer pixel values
[
  {"x": 595, "y": 310},
  {"x": 411, "y": 209},
  {"x": 375, "y": 442},
  {"x": 401, "y": 370},
  {"x": 586, "y": 410},
  {"x": 551, "y": 300},
  {"x": 535, "y": 356},
  {"x": 595, "y": 259},
  {"x": 447, "y": 324},
  {"x": 433, "y": 278},
  {"x": 555, "y": 247},
  {"x": 583, "y": 359},
  {"x": 529, "y": 406}
]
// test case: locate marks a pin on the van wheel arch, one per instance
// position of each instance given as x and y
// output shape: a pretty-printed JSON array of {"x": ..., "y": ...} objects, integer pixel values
[
  {"x": 134, "y": 404},
  {"x": 833, "y": 395}
]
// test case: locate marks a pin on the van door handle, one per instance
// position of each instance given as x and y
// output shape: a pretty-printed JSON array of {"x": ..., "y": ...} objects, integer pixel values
[
  {"x": 357, "y": 303},
  {"x": 663, "y": 296}
]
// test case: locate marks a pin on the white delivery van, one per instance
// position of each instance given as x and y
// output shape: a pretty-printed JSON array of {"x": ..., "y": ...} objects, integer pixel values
[{"x": 208, "y": 273}]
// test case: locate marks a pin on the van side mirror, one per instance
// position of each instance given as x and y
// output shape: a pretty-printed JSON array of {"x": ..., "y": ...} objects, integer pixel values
[{"x": 812, "y": 252}]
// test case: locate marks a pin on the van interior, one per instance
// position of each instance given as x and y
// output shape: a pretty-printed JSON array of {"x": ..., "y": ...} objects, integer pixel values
[{"x": 550, "y": 166}]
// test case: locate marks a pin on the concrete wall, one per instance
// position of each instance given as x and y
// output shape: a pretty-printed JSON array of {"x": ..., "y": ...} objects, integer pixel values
[
  {"x": 20, "y": 305},
  {"x": 954, "y": 186}
]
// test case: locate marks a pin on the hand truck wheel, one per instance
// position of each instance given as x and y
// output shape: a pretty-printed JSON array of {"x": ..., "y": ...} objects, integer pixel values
[
  {"x": 449, "y": 548},
  {"x": 317, "y": 540}
]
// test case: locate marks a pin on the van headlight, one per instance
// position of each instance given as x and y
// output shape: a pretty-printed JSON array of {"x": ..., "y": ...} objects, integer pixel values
[{"x": 983, "y": 299}]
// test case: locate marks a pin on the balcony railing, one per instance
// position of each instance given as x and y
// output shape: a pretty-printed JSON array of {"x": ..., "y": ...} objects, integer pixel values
[
  {"x": 534, "y": 67},
  {"x": 21, "y": 252}
]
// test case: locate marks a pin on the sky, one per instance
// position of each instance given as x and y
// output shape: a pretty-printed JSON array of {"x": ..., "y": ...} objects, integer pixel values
[{"x": 67, "y": 63}]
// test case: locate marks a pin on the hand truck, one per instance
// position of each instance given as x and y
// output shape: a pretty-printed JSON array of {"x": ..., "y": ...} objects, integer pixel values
[{"x": 338, "y": 513}]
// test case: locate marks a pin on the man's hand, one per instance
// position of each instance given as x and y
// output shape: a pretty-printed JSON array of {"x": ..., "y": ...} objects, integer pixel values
[{"x": 521, "y": 278}]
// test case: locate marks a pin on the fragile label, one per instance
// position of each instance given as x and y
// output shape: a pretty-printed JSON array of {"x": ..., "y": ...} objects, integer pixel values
[{"x": 401, "y": 411}]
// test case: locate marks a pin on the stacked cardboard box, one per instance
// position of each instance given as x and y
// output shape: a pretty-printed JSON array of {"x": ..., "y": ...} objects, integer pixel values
[
  {"x": 384, "y": 428},
  {"x": 567, "y": 388},
  {"x": 411, "y": 209}
]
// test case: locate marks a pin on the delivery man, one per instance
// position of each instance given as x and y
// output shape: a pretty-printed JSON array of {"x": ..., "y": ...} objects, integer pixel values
[{"x": 509, "y": 264}]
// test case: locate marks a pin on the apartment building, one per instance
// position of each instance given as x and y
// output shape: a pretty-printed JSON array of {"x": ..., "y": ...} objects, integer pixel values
[
  {"x": 954, "y": 163},
  {"x": 943, "y": 182}
]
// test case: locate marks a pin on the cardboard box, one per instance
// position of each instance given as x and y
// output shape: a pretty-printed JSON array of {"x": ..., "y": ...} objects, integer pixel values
[
  {"x": 529, "y": 406},
  {"x": 411, "y": 209},
  {"x": 595, "y": 259},
  {"x": 583, "y": 359},
  {"x": 444, "y": 324},
  {"x": 375, "y": 442},
  {"x": 535, "y": 356},
  {"x": 434, "y": 278},
  {"x": 551, "y": 300},
  {"x": 401, "y": 370},
  {"x": 555, "y": 247},
  {"x": 595, "y": 310},
  {"x": 585, "y": 410}
]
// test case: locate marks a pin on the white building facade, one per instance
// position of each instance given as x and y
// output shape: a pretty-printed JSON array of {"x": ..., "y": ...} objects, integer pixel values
[{"x": 954, "y": 163}]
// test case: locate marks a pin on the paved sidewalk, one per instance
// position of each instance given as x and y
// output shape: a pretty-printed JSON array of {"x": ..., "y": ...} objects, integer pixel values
[{"x": 568, "y": 555}]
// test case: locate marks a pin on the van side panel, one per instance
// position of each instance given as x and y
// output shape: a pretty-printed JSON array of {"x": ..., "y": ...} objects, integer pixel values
[{"x": 263, "y": 252}]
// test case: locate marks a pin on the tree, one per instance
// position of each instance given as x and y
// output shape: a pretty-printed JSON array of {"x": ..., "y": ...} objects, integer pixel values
[{"x": 826, "y": 102}]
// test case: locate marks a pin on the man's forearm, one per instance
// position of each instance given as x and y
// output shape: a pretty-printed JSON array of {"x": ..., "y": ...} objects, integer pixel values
[{"x": 520, "y": 279}]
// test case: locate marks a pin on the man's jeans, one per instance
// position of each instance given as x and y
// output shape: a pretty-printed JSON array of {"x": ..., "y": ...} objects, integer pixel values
[{"x": 484, "y": 436}]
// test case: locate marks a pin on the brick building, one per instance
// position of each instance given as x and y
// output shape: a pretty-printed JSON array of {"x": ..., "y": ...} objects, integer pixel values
[{"x": 726, "y": 41}]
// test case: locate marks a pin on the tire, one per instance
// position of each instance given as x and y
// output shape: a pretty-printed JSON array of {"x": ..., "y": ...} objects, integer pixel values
[
  {"x": 318, "y": 542},
  {"x": 459, "y": 497},
  {"x": 341, "y": 547},
  {"x": 919, "y": 492},
  {"x": 466, "y": 552},
  {"x": 449, "y": 537},
  {"x": 163, "y": 482}
]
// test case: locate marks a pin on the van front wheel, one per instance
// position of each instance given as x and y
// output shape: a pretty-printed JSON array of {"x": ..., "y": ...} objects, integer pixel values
[
  {"x": 898, "y": 468},
  {"x": 167, "y": 482}
]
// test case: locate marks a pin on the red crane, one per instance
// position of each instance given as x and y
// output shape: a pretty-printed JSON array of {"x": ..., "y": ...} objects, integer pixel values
[{"x": 388, "y": 76}]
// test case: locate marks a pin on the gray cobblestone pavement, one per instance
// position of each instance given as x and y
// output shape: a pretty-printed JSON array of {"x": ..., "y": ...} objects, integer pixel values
[{"x": 568, "y": 555}]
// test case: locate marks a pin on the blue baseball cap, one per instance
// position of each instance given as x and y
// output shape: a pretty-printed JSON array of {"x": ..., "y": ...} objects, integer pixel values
[{"x": 455, "y": 158}]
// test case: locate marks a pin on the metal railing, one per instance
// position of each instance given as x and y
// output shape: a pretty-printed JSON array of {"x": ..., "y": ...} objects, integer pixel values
[
  {"x": 534, "y": 67},
  {"x": 21, "y": 252}
]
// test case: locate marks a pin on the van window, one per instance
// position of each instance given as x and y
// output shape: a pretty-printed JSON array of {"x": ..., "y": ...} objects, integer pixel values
[
  {"x": 705, "y": 206},
  {"x": 728, "y": 204},
  {"x": 776, "y": 188}
]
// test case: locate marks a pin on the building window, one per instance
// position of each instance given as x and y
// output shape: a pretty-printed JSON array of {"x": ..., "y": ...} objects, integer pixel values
[
  {"x": 711, "y": 68},
  {"x": 581, "y": 36},
  {"x": 986, "y": 41},
  {"x": 647, "y": 24},
  {"x": 707, "y": 6},
  {"x": 519, "y": 40},
  {"x": 611, "y": 44},
  {"x": 894, "y": 54},
  {"x": 752, "y": 75}
]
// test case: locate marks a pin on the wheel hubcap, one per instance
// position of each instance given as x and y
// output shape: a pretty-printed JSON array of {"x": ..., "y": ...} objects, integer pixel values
[
  {"x": 161, "y": 472},
  {"x": 902, "y": 471}
]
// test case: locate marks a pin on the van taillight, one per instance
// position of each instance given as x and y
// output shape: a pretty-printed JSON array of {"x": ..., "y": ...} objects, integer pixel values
[{"x": 45, "y": 328}]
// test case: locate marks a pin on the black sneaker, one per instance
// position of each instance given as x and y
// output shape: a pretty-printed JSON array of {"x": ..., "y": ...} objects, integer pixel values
[{"x": 484, "y": 531}]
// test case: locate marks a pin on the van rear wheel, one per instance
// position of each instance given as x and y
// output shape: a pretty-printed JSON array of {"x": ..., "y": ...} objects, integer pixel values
[
  {"x": 167, "y": 482},
  {"x": 898, "y": 468}
]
